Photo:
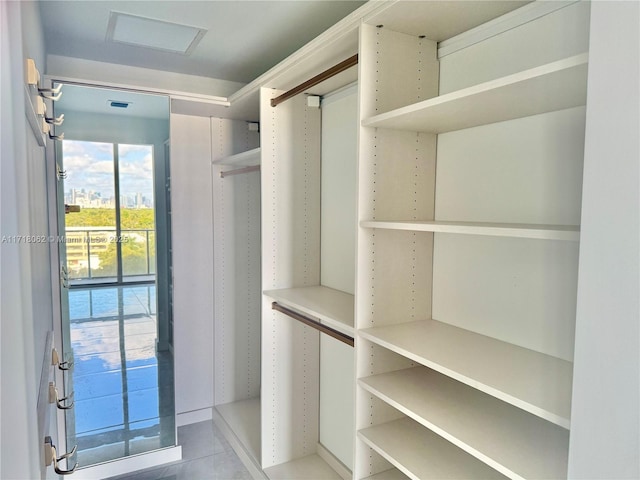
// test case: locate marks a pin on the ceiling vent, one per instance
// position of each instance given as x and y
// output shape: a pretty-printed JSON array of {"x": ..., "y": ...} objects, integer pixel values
[
  {"x": 152, "y": 33},
  {"x": 118, "y": 104}
]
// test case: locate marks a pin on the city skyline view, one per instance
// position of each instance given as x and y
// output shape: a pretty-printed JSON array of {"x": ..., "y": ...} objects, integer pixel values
[{"x": 90, "y": 174}]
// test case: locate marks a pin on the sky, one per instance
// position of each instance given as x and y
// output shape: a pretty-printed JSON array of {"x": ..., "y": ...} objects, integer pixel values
[{"x": 89, "y": 165}]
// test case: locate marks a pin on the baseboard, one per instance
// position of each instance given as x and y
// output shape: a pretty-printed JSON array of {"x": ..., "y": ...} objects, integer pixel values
[
  {"x": 194, "y": 416},
  {"x": 130, "y": 464},
  {"x": 252, "y": 464},
  {"x": 340, "y": 468}
]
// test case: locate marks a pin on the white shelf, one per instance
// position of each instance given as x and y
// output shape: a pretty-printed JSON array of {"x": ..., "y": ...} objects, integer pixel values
[
  {"x": 311, "y": 467},
  {"x": 243, "y": 159},
  {"x": 332, "y": 307},
  {"x": 537, "y": 383},
  {"x": 517, "y": 230},
  {"x": 393, "y": 474},
  {"x": 243, "y": 417},
  {"x": 421, "y": 454},
  {"x": 554, "y": 86},
  {"x": 513, "y": 442}
]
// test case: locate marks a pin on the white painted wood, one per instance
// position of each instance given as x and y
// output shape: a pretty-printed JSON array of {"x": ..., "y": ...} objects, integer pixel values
[
  {"x": 236, "y": 248},
  {"x": 551, "y": 87},
  {"x": 251, "y": 462},
  {"x": 311, "y": 467},
  {"x": 605, "y": 421},
  {"x": 335, "y": 464},
  {"x": 243, "y": 418},
  {"x": 519, "y": 290},
  {"x": 290, "y": 143},
  {"x": 537, "y": 383},
  {"x": 191, "y": 191},
  {"x": 537, "y": 160},
  {"x": 421, "y": 454},
  {"x": 393, "y": 474},
  {"x": 437, "y": 20},
  {"x": 512, "y": 20},
  {"x": 557, "y": 35},
  {"x": 336, "y": 416},
  {"x": 250, "y": 157},
  {"x": 404, "y": 56},
  {"x": 515, "y": 443},
  {"x": 541, "y": 232},
  {"x": 332, "y": 307},
  {"x": 338, "y": 191}
]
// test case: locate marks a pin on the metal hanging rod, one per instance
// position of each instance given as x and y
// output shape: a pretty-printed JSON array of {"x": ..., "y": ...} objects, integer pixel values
[
  {"x": 343, "y": 337},
  {"x": 321, "y": 77},
  {"x": 238, "y": 171}
]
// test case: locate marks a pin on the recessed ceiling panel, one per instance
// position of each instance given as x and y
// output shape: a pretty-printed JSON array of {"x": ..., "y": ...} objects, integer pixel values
[{"x": 151, "y": 33}]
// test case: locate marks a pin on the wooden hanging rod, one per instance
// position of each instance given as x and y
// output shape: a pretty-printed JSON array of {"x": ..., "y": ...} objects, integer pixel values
[
  {"x": 238, "y": 171},
  {"x": 343, "y": 337},
  {"x": 321, "y": 77}
]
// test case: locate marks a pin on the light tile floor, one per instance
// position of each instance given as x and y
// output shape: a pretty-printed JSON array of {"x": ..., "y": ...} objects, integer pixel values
[
  {"x": 206, "y": 455},
  {"x": 123, "y": 388}
]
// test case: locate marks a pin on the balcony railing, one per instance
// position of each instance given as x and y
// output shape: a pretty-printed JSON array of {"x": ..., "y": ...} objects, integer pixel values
[{"x": 92, "y": 252}]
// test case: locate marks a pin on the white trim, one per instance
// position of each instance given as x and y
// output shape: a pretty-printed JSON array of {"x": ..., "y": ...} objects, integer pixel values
[
  {"x": 130, "y": 464},
  {"x": 173, "y": 94},
  {"x": 251, "y": 463},
  {"x": 508, "y": 21},
  {"x": 340, "y": 468},
  {"x": 194, "y": 416},
  {"x": 345, "y": 26}
]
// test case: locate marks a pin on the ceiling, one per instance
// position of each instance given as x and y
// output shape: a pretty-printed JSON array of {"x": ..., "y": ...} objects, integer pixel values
[
  {"x": 77, "y": 98},
  {"x": 243, "y": 38}
]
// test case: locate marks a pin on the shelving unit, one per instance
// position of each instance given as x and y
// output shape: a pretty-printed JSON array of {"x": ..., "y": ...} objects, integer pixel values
[
  {"x": 513, "y": 442},
  {"x": 330, "y": 306},
  {"x": 242, "y": 159},
  {"x": 243, "y": 418},
  {"x": 237, "y": 325},
  {"x": 541, "y": 232},
  {"x": 556, "y": 86},
  {"x": 392, "y": 474},
  {"x": 537, "y": 383},
  {"x": 470, "y": 178},
  {"x": 421, "y": 454}
]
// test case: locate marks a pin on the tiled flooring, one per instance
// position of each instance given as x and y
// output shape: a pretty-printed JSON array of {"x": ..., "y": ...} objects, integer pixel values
[
  {"x": 206, "y": 455},
  {"x": 123, "y": 389}
]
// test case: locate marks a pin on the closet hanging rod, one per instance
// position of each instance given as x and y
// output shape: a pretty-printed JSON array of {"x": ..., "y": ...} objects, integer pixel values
[
  {"x": 343, "y": 337},
  {"x": 321, "y": 77},
  {"x": 238, "y": 171}
]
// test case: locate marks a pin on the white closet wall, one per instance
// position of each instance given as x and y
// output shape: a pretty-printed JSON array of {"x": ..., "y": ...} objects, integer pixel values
[{"x": 192, "y": 237}]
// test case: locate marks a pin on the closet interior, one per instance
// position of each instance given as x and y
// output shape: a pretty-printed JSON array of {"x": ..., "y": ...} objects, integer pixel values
[{"x": 424, "y": 208}]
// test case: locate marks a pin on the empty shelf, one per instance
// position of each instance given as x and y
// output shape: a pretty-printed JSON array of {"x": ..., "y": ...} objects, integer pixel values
[
  {"x": 518, "y": 230},
  {"x": 510, "y": 440},
  {"x": 532, "y": 381},
  {"x": 250, "y": 157},
  {"x": 332, "y": 307},
  {"x": 421, "y": 454},
  {"x": 311, "y": 467},
  {"x": 393, "y": 474},
  {"x": 554, "y": 86},
  {"x": 243, "y": 417}
]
